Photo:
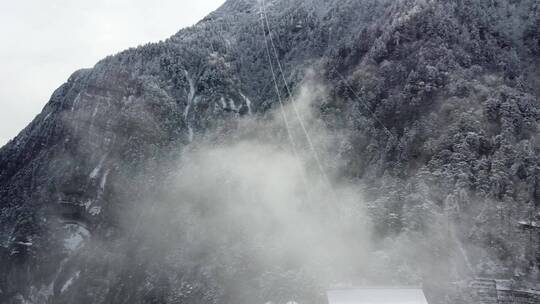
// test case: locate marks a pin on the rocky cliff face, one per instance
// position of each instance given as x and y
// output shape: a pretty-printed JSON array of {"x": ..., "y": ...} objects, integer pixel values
[{"x": 436, "y": 104}]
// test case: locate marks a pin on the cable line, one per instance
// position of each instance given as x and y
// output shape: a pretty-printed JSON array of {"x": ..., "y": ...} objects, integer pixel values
[
  {"x": 295, "y": 108},
  {"x": 281, "y": 104}
]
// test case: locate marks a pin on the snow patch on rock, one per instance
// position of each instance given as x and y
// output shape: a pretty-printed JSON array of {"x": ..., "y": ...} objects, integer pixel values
[
  {"x": 95, "y": 210},
  {"x": 75, "y": 102},
  {"x": 76, "y": 236},
  {"x": 103, "y": 181},
  {"x": 70, "y": 281},
  {"x": 248, "y": 103},
  {"x": 97, "y": 169}
]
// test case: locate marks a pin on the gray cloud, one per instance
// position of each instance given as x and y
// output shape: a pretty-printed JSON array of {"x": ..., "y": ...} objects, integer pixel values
[{"x": 43, "y": 42}]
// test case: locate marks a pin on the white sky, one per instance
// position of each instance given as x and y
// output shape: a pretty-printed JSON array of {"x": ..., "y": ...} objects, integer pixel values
[{"x": 44, "y": 41}]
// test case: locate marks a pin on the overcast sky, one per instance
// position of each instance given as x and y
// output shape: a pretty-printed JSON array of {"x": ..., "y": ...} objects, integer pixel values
[{"x": 44, "y": 41}]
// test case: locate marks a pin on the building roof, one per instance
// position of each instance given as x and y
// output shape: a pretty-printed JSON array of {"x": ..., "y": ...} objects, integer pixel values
[{"x": 377, "y": 295}]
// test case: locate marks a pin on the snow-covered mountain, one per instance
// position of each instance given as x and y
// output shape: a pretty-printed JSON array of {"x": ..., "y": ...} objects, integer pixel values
[{"x": 428, "y": 108}]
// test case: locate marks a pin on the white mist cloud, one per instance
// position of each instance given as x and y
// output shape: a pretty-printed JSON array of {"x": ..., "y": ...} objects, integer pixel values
[
  {"x": 239, "y": 205},
  {"x": 247, "y": 198}
]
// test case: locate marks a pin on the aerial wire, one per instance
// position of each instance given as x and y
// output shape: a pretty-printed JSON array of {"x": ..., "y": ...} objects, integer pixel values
[{"x": 293, "y": 103}]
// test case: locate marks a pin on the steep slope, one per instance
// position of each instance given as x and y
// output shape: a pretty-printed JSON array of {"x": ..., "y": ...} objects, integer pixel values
[{"x": 438, "y": 101}]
